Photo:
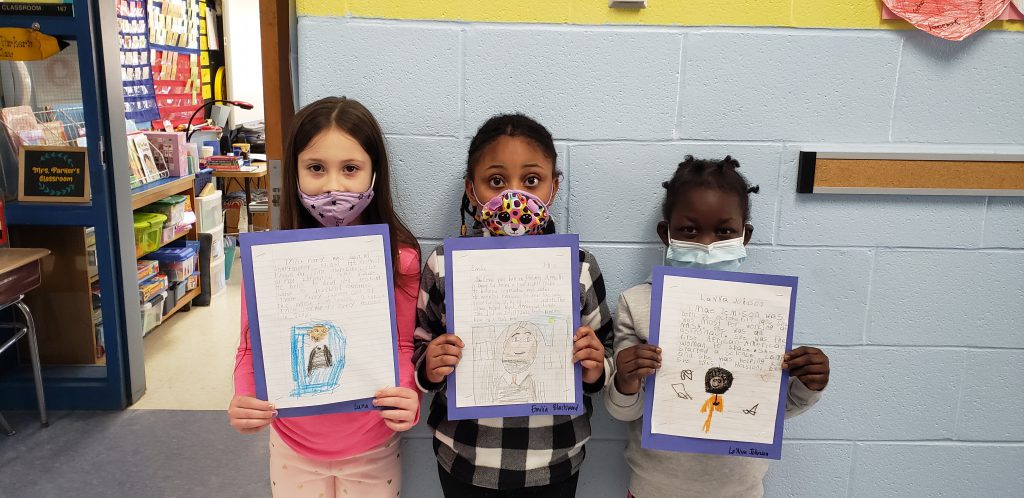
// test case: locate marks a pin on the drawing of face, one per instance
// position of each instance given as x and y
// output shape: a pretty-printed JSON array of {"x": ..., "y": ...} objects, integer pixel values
[
  {"x": 717, "y": 381},
  {"x": 318, "y": 333},
  {"x": 520, "y": 348}
]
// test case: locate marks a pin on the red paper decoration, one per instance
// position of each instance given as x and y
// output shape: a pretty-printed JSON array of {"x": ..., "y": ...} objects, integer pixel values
[{"x": 949, "y": 19}]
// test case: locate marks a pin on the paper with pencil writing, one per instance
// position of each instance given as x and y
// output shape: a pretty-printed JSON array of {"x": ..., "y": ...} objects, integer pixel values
[
  {"x": 321, "y": 317},
  {"x": 720, "y": 388}
]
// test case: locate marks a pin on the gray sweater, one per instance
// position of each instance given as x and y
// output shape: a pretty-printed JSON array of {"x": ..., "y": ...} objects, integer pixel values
[{"x": 658, "y": 474}]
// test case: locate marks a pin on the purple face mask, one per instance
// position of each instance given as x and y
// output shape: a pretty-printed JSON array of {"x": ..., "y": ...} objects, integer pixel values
[{"x": 337, "y": 209}]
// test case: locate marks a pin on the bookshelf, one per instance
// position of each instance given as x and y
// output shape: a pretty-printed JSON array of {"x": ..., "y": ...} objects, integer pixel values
[{"x": 152, "y": 192}]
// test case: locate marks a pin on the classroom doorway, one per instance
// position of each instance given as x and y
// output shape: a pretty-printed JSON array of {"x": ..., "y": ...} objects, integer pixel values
[{"x": 189, "y": 357}]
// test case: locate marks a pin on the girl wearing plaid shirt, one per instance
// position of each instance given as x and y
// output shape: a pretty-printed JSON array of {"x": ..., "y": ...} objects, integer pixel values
[{"x": 512, "y": 157}]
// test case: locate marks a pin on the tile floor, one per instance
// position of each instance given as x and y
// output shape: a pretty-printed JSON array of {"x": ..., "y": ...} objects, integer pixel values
[
  {"x": 176, "y": 442},
  {"x": 190, "y": 358}
]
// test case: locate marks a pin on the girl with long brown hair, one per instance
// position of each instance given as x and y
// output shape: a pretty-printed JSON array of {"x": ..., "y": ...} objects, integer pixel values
[{"x": 336, "y": 173}]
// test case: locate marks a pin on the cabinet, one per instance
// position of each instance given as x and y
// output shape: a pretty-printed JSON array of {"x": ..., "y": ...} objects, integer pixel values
[{"x": 67, "y": 312}]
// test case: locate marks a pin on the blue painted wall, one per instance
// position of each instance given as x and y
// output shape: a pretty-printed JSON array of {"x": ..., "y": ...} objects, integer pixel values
[{"x": 919, "y": 301}]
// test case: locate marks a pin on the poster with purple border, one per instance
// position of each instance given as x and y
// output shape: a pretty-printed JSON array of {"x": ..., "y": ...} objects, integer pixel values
[
  {"x": 515, "y": 303},
  {"x": 721, "y": 389},
  {"x": 321, "y": 310}
]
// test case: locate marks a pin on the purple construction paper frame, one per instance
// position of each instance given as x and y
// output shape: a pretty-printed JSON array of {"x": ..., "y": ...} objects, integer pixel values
[
  {"x": 454, "y": 245},
  {"x": 250, "y": 240},
  {"x": 715, "y": 446}
]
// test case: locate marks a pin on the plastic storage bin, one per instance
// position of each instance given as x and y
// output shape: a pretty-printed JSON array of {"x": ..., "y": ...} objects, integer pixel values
[
  {"x": 148, "y": 321},
  {"x": 186, "y": 224},
  {"x": 173, "y": 207},
  {"x": 229, "y": 260},
  {"x": 153, "y": 312},
  {"x": 217, "y": 246},
  {"x": 148, "y": 231},
  {"x": 210, "y": 211},
  {"x": 193, "y": 282},
  {"x": 175, "y": 293},
  {"x": 217, "y": 281},
  {"x": 168, "y": 301},
  {"x": 167, "y": 234},
  {"x": 176, "y": 262},
  {"x": 180, "y": 289}
]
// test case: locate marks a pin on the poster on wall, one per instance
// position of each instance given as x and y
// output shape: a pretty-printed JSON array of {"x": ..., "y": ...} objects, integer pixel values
[
  {"x": 721, "y": 388},
  {"x": 136, "y": 70}
]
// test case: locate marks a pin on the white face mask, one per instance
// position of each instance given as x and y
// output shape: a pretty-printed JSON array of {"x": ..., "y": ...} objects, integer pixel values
[{"x": 726, "y": 255}]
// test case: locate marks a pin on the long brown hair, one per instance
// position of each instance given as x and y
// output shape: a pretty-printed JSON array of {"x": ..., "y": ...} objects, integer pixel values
[{"x": 356, "y": 120}]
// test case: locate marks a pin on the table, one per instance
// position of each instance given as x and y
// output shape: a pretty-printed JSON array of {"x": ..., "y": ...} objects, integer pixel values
[
  {"x": 19, "y": 273},
  {"x": 246, "y": 176}
]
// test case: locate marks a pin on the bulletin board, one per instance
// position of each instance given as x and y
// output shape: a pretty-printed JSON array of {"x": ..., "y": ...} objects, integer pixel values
[{"x": 910, "y": 174}]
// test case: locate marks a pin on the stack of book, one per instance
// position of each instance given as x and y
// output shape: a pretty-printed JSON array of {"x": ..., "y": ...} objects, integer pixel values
[{"x": 225, "y": 163}]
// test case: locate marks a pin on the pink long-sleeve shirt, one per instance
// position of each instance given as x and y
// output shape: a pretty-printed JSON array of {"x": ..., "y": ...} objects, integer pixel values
[{"x": 340, "y": 435}]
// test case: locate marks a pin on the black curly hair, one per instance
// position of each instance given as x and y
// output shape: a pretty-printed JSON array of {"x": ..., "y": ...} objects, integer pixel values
[
  {"x": 717, "y": 372},
  {"x": 506, "y": 125},
  {"x": 707, "y": 173}
]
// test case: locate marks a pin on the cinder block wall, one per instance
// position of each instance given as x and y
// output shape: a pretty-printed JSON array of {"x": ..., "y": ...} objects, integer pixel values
[{"x": 919, "y": 301}]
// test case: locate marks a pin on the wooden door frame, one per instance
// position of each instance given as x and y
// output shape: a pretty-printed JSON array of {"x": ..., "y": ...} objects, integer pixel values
[{"x": 278, "y": 98}]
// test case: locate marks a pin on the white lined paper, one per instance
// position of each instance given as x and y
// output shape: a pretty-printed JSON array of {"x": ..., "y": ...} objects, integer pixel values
[{"x": 340, "y": 282}]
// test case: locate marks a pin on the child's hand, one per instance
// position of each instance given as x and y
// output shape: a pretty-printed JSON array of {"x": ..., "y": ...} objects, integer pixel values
[
  {"x": 404, "y": 405},
  {"x": 589, "y": 353},
  {"x": 810, "y": 365},
  {"x": 633, "y": 364},
  {"x": 250, "y": 415},
  {"x": 443, "y": 353}
]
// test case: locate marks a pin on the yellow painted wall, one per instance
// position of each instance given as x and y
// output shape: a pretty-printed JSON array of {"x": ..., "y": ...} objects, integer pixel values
[{"x": 865, "y": 14}]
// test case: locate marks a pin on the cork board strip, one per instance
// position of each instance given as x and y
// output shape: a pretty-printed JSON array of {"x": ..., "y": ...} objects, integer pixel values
[{"x": 930, "y": 175}]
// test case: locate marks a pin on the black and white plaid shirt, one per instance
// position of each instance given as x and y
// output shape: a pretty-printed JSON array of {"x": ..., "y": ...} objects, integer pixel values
[{"x": 511, "y": 452}]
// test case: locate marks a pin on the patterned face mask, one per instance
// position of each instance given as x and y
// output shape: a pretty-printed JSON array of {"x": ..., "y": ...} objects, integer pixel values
[
  {"x": 514, "y": 212},
  {"x": 337, "y": 209}
]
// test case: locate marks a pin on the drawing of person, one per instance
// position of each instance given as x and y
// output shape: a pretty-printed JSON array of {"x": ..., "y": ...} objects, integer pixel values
[
  {"x": 518, "y": 353},
  {"x": 320, "y": 355},
  {"x": 717, "y": 381}
]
